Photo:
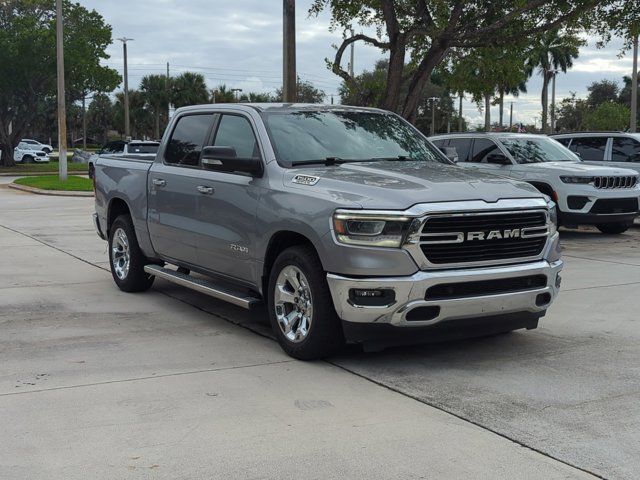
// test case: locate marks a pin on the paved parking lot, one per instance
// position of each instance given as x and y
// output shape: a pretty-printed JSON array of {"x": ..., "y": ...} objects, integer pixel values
[{"x": 95, "y": 383}]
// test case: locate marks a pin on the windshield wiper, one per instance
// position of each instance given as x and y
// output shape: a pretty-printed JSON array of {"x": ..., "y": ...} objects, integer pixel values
[
  {"x": 400, "y": 158},
  {"x": 328, "y": 161}
]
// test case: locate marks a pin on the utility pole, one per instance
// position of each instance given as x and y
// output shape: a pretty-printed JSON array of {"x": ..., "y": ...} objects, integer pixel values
[
  {"x": 84, "y": 121},
  {"x": 167, "y": 88},
  {"x": 62, "y": 114},
  {"x": 352, "y": 48},
  {"x": 289, "y": 79},
  {"x": 634, "y": 88},
  {"x": 553, "y": 100},
  {"x": 433, "y": 115},
  {"x": 511, "y": 116},
  {"x": 127, "y": 134}
]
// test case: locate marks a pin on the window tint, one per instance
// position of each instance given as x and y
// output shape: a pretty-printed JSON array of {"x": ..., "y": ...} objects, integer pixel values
[
  {"x": 590, "y": 148},
  {"x": 563, "y": 141},
  {"x": 187, "y": 139},
  {"x": 235, "y": 131},
  {"x": 625, "y": 149},
  {"x": 440, "y": 142},
  {"x": 483, "y": 147},
  {"x": 462, "y": 146}
]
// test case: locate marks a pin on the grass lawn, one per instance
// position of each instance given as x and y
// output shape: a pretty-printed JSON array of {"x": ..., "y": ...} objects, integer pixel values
[
  {"x": 52, "y": 167},
  {"x": 51, "y": 182}
]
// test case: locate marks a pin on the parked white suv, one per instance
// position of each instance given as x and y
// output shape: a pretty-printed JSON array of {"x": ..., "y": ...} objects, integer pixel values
[
  {"x": 36, "y": 145},
  {"x": 23, "y": 153},
  {"x": 606, "y": 197}
]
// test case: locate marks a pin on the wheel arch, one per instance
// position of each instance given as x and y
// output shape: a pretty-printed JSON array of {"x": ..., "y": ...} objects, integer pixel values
[
  {"x": 280, "y": 241},
  {"x": 545, "y": 188},
  {"x": 117, "y": 207}
]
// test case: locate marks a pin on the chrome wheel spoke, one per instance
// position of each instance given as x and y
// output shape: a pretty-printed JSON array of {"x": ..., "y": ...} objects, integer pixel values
[
  {"x": 293, "y": 304},
  {"x": 120, "y": 254}
]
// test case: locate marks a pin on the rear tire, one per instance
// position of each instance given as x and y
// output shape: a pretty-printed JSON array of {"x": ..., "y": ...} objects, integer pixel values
[
  {"x": 614, "y": 228},
  {"x": 126, "y": 259},
  {"x": 300, "y": 306}
]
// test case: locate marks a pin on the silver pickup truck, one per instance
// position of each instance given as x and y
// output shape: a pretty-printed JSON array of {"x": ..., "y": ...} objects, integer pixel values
[{"x": 346, "y": 223}]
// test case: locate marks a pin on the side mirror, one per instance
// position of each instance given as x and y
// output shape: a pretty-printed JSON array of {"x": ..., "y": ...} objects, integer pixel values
[
  {"x": 224, "y": 159},
  {"x": 498, "y": 159},
  {"x": 450, "y": 152}
]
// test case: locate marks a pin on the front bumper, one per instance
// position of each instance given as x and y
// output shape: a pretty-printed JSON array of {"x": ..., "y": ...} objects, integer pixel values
[{"x": 410, "y": 293}]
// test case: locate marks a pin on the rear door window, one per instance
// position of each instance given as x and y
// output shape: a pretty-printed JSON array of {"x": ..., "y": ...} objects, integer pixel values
[
  {"x": 590, "y": 149},
  {"x": 482, "y": 148},
  {"x": 625, "y": 149},
  {"x": 188, "y": 137},
  {"x": 462, "y": 146}
]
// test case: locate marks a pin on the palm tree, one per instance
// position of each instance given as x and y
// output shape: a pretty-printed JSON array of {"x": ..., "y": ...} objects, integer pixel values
[
  {"x": 189, "y": 88},
  {"x": 155, "y": 91},
  {"x": 555, "y": 52},
  {"x": 222, "y": 94}
]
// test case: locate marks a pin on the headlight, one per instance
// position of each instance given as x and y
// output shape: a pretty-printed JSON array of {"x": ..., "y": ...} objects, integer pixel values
[
  {"x": 579, "y": 180},
  {"x": 371, "y": 230},
  {"x": 553, "y": 217}
]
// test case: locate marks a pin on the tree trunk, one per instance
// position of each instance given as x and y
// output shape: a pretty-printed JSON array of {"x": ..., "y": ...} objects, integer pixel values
[
  {"x": 460, "y": 122},
  {"x": 501, "y": 107},
  {"x": 545, "y": 102},
  {"x": 157, "y": 125},
  {"x": 7, "y": 155},
  {"x": 432, "y": 58},
  {"x": 487, "y": 112},
  {"x": 394, "y": 76}
]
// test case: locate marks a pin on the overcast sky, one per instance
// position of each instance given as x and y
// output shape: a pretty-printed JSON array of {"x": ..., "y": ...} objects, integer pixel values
[{"x": 239, "y": 43}]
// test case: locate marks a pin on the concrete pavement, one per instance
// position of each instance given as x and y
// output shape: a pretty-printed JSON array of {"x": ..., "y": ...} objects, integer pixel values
[{"x": 95, "y": 383}]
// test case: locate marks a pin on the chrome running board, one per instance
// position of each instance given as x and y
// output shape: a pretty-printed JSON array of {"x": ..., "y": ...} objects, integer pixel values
[{"x": 207, "y": 287}]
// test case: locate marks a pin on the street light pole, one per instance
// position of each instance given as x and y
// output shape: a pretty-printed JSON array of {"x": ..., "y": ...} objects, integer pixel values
[
  {"x": 236, "y": 91},
  {"x": 433, "y": 114},
  {"x": 62, "y": 114},
  {"x": 634, "y": 88},
  {"x": 289, "y": 79},
  {"x": 127, "y": 134}
]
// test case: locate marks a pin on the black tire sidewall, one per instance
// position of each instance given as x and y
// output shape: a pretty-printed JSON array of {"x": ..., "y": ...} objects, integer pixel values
[
  {"x": 137, "y": 280},
  {"x": 325, "y": 333},
  {"x": 614, "y": 228}
]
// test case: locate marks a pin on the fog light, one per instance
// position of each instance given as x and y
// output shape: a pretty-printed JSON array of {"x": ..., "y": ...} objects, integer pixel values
[
  {"x": 543, "y": 299},
  {"x": 372, "y": 297},
  {"x": 558, "y": 281}
]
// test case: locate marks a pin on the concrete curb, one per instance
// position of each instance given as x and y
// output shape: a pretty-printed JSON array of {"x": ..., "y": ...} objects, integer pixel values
[
  {"x": 36, "y": 174},
  {"x": 55, "y": 193}
]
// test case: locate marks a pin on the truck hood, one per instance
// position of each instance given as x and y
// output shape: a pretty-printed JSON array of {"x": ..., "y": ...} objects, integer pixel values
[
  {"x": 573, "y": 168},
  {"x": 397, "y": 185}
]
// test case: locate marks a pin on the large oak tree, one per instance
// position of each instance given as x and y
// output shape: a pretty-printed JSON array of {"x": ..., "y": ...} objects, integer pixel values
[{"x": 418, "y": 34}]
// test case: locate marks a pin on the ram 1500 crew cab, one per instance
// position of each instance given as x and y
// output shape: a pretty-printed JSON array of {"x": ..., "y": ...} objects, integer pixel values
[{"x": 347, "y": 223}]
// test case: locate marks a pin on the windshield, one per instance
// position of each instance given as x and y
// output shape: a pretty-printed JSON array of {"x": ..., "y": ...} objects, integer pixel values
[
  {"x": 345, "y": 135},
  {"x": 537, "y": 150},
  {"x": 143, "y": 148}
]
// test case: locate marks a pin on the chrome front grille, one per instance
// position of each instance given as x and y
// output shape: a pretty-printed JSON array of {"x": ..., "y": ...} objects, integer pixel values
[
  {"x": 483, "y": 237},
  {"x": 628, "y": 181}
]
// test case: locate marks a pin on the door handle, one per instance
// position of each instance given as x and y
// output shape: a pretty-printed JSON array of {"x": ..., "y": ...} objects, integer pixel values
[
  {"x": 159, "y": 182},
  {"x": 205, "y": 190}
]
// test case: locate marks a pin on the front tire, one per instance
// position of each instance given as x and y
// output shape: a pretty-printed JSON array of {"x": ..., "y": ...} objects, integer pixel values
[
  {"x": 126, "y": 259},
  {"x": 614, "y": 228},
  {"x": 300, "y": 306},
  {"x": 27, "y": 159}
]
